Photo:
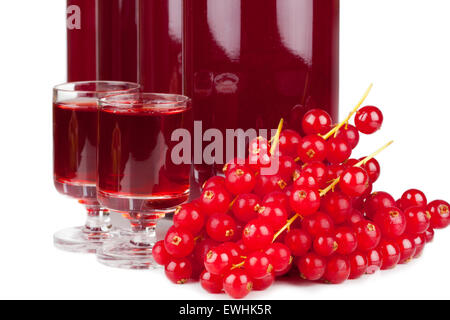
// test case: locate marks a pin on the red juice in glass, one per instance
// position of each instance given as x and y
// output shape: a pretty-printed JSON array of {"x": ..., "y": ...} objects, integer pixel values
[
  {"x": 160, "y": 42},
  {"x": 249, "y": 63},
  {"x": 81, "y": 40},
  {"x": 117, "y": 40}
]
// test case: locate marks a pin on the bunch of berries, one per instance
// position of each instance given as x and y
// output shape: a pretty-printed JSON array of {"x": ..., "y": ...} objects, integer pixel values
[{"x": 316, "y": 215}]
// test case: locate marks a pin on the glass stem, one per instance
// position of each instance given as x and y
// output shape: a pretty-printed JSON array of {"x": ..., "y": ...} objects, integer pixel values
[
  {"x": 144, "y": 229},
  {"x": 98, "y": 219}
]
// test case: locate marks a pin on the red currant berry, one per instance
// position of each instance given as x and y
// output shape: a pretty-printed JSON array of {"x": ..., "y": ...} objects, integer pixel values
[
  {"x": 218, "y": 260},
  {"x": 221, "y": 227},
  {"x": 392, "y": 222},
  {"x": 235, "y": 251},
  {"x": 246, "y": 207},
  {"x": 319, "y": 171},
  {"x": 374, "y": 261},
  {"x": 258, "y": 265},
  {"x": 189, "y": 217},
  {"x": 346, "y": 240},
  {"x": 216, "y": 181},
  {"x": 413, "y": 198},
  {"x": 289, "y": 142},
  {"x": 268, "y": 184},
  {"x": 390, "y": 252},
  {"x": 274, "y": 214},
  {"x": 358, "y": 265},
  {"x": 420, "y": 242},
  {"x": 407, "y": 248},
  {"x": 338, "y": 206},
  {"x": 259, "y": 145},
  {"x": 305, "y": 201},
  {"x": 325, "y": 245},
  {"x": 236, "y": 162},
  {"x": 215, "y": 200},
  {"x": 318, "y": 223},
  {"x": 429, "y": 235},
  {"x": 298, "y": 241},
  {"x": 286, "y": 167},
  {"x": 368, "y": 119},
  {"x": 337, "y": 150},
  {"x": 280, "y": 256},
  {"x": 240, "y": 180},
  {"x": 372, "y": 168},
  {"x": 312, "y": 267},
  {"x": 201, "y": 249},
  {"x": 212, "y": 283},
  {"x": 354, "y": 182},
  {"x": 312, "y": 148},
  {"x": 237, "y": 284},
  {"x": 368, "y": 235},
  {"x": 258, "y": 161},
  {"x": 335, "y": 171},
  {"x": 316, "y": 121},
  {"x": 257, "y": 235},
  {"x": 350, "y": 163},
  {"x": 355, "y": 218},
  {"x": 263, "y": 283},
  {"x": 243, "y": 248},
  {"x": 377, "y": 201},
  {"x": 440, "y": 214},
  {"x": 338, "y": 270},
  {"x": 179, "y": 243},
  {"x": 417, "y": 220},
  {"x": 350, "y": 134},
  {"x": 306, "y": 180},
  {"x": 160, "y": 253},
  {"x": 179, "y": 271},
  {"x": 277, "y": 197}
]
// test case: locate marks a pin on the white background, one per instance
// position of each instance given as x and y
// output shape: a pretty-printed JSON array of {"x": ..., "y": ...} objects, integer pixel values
[{"x": 402, "y": 46}]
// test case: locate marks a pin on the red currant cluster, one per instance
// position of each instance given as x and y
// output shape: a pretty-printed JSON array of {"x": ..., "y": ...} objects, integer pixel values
[{"x": 317, "y": 214}]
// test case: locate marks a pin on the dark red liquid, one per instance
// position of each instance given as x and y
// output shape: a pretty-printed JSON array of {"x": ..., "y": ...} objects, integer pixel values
[
  {"x": 249, "y": 63},
  {"x": 117, "y": 27},
  {"x": 161, "y": 45},
  {"x": 81, "y": 40},
  {"x": 135, "y": 159},
  {"x": 75, "y": 147}
]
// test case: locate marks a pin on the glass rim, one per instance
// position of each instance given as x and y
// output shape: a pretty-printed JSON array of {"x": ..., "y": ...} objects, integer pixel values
[
  {"x": 69, "y": 86},
  {"x": 168, "y": 101}
]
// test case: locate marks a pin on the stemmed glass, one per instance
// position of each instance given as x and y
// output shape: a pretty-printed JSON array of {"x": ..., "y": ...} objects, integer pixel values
[
  {"x": 75, "y": 115},
  {"x": 142, "y": 172}
]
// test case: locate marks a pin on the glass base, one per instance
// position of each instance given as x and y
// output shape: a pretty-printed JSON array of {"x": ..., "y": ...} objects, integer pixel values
[{"x": 81, "y": 240}]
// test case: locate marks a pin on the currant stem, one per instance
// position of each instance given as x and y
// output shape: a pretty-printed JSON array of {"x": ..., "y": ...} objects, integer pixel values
[
  {"x": 276, "y": 138},
  {"x": 335, "y": 130},
  {"x": 286, "y": 226},
  {"x": 237, "y": 266}
]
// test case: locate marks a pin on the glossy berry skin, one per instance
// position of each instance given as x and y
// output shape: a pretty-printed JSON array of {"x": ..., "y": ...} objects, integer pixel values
[
  {"x": 289, "y": 142},
  {"x": 263, "y": 283},
  {"x": 420, "y": 242},
  {"x": 234, "y": 250},
  {"x": 390, "y": 251},
  {"x": 259, "y": 145},
  {"x": 286, "y": 167},
  {"x": 179, "y": 243},
  {"x": 298, "y": 241},
  {"x": 318, "y": 223},
  {"x": 417, "y": 220},
  {"x": 246, "y": 206},
  {"x": 407, "y": 248},
  {"x": 354, "y": 182},
  {"x": 280, "y": 256},
  {"x": 350, "y": 134},
  {"x": 312, "y": 267},
  {"x": 258, "y": 265},
  {"x": 268, "y": 184},
  {"x": 392, "y": 222},
  {"x": 215, "y": 200},
  {"x": 338, "y": 270},
  {"x": 230, "y": 165},
  {"x": 368, "y": 120},
  {"x": 221, "y": 227},
  {"x": 201, "y": 249},
  {"x": 358, "y": 265},
  {"x": 216, "y": 181},
  {"x": 305, "y": 201},
  {"x": 374, "y": 261},
  {"x": 189, "y": 217},
  {"x": 316, "y": 121},
  {"x": 319, "y": 171},
  {"x": 429, "y": 235},
  {"x": 377, "y": 201},
  {"x": 338, "y": 206},
  {"x": 179, "y": 271},
  {"x": 440, "y": 214},
  {"x": 306, "y": 180},
  {"x": 240, "y": 180},
  {"x": 160, "y": 253},
  {"x": 368, "y": 235},
  {"x": 218, "y": 260},
  {"x": 325, "y": 245},
  {"x": 278, "y": 198},
  {"x": 337, "y": 150},
  {"x": 273, "y": 214},
  {"x": 413, "y": 198},
  {"x": 237, "y": 283},
  {"x": 335, "y": 171},
  {"x": 211, "y": 282},
  {"x": 312, "y": 148},
  {"x": 257, "y": 235},
  {"x": 346, "y": 240},
  {"x": 372, "y": 168},
  {"x": 355, "y": 218}
]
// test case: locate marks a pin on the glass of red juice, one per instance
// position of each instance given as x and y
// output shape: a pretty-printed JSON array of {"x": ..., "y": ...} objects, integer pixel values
[
  {"x": 75, "y": 115},
  {"x": 139, "y": 173}
]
